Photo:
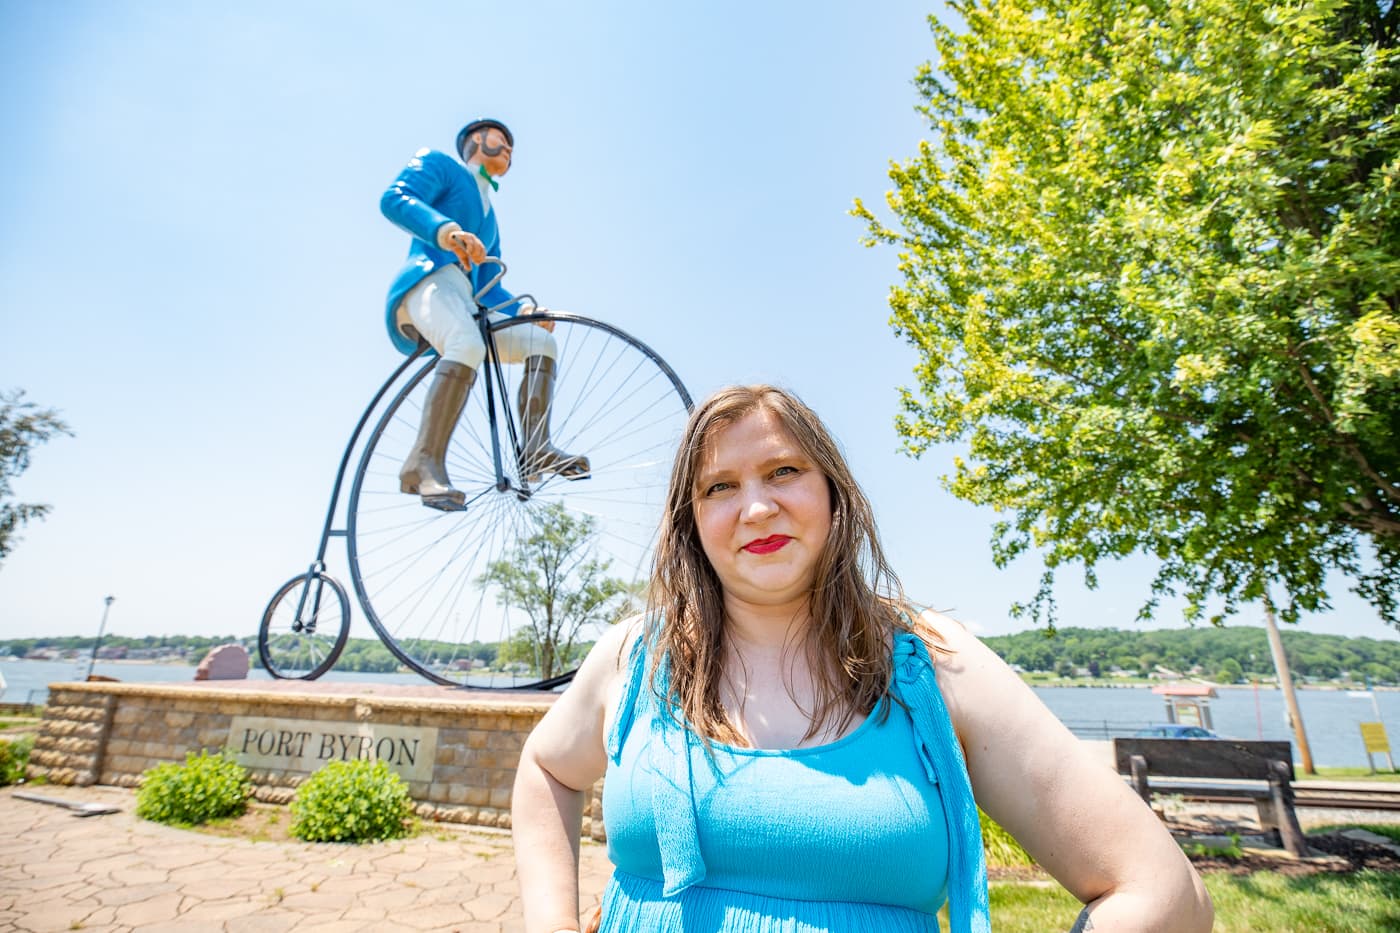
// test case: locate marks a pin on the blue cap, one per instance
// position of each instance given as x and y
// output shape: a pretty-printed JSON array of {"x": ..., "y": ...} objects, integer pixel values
[{"x": 482, "y": 124}]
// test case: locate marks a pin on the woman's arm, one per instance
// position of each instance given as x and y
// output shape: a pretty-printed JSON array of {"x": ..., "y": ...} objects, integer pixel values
[
  {"x": 562, "y": 758},
  {"x": 1075, "y": 816}
]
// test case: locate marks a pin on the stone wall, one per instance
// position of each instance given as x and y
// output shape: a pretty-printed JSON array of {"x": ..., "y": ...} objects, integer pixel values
[{"x": 109, "y": 733}]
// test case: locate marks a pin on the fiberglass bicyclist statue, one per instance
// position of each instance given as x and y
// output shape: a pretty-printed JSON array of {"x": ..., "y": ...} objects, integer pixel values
[{"x": 446, "y": 206}]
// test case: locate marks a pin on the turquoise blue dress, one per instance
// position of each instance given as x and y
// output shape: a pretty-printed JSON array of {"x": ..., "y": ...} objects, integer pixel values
[{"x": 867, "y": 834}]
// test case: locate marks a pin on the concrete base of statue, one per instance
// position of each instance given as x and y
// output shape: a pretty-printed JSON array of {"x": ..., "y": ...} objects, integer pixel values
[{"x": 457, "y": 749}]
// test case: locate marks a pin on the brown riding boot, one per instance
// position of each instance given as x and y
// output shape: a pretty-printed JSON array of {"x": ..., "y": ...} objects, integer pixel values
[
  {"x": 425, "y": 472},
  {"x": 540, "y": 456}
]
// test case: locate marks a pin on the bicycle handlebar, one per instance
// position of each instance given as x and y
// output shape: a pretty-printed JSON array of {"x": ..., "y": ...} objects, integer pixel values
[
  {"x": 492, "y": 283},
  {"x": 494, "y": 280}
]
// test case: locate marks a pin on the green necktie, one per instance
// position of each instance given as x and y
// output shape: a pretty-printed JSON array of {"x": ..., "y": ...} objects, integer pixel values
[{"x": 481, "y": 170}]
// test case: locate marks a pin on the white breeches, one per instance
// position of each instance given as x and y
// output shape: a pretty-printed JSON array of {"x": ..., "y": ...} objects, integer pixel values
[{"x": 440, "y": 308}]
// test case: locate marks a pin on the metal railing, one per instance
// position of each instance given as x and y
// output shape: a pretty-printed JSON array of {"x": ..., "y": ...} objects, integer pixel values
[{"x": 1103, "y": 728}]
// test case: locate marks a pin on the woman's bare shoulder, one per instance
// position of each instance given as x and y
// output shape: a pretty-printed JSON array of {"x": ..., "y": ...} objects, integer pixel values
[
  {"x": 618, "y": 640},
  {"x": 942, "y": 633},
  {"x": 608, "y": 663}
]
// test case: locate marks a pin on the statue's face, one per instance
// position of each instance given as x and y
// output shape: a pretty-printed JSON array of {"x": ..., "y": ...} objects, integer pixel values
[{"x": 494, "y": 151}]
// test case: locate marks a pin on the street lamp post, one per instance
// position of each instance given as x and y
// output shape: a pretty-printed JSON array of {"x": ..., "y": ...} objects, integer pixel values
[{"x": 107, "y": 601}]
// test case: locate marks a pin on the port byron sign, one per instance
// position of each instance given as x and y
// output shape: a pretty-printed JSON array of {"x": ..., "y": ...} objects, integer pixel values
[{"x": 304, "y": 745}]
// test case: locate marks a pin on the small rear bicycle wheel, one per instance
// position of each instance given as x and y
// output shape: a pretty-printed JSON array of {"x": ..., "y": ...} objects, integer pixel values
[
  {"x": 532, "y": 570},
  {"x": 304, "y": 627}
]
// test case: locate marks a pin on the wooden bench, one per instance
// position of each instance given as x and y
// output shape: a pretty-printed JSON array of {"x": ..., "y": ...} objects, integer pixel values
[{"x": 1258, "y": 771}]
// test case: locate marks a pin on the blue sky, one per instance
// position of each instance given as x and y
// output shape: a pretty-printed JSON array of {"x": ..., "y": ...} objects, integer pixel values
[{"x": 192, "y": 264}]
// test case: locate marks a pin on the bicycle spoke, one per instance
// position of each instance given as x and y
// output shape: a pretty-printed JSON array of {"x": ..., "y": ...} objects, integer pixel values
[
  {"x": 424, "y": 577},
  {"x": 304, "y": 628}
]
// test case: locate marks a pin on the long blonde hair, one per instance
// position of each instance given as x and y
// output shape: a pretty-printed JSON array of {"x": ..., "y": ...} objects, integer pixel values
[{"x": 856, "y": 603}]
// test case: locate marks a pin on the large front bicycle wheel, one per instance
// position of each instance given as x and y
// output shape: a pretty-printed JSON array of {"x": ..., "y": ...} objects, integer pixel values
[
  {"x": 510, "y": 591},
  {"x": 304, "y": 627}
]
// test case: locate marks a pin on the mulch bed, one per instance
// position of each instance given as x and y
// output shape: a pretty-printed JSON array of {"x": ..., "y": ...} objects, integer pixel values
[
  {"x": 1346, "y": 855},
  {"x": 1335, "y": 852}
]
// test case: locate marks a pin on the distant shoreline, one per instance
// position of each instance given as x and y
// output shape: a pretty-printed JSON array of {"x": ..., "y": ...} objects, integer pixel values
[
  {"x": 1029, "y": 679},
  {"x": 173, "y": 662},
  {"x": 1137, "y": 685}
]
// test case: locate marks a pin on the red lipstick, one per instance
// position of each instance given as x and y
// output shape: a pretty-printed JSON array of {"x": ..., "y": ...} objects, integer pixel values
[{"x": 767, "y": 545}]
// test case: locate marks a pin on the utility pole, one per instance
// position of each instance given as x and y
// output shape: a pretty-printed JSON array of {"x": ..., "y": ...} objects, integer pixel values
[
  {"x": 100, "y": 629},
  {"x": 1285, "y": 683}
]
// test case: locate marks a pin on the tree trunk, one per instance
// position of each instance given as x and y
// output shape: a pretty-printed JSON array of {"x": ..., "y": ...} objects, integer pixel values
[{"x": 1285, "y": 683}]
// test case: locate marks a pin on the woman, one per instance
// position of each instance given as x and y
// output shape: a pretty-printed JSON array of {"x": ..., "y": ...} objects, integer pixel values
[{"x": 788, "y": 747}]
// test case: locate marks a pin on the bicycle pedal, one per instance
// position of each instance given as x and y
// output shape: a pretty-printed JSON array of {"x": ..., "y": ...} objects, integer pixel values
[
  {"x": 444, "y": 504},
  {"x": 533, "y": 479}
]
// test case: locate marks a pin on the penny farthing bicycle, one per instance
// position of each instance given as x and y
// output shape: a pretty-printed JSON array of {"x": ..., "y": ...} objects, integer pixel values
[{"x": 434, "y": 584}]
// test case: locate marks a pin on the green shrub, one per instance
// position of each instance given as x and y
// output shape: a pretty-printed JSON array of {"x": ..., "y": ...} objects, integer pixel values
[
  {"x": 1201, "y": 850},
  {"x": 352, "y": 801},
  {"x": 14, "y": 757},
  {"x": 206, "y": 787}
]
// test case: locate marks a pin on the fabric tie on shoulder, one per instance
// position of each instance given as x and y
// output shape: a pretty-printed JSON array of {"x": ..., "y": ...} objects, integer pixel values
[
  {"x": 627, "y": 704},
  {"x": 673, "y": 804},
  {"x": 916, "y": 686},
  {"x": 669, "y": 757}
]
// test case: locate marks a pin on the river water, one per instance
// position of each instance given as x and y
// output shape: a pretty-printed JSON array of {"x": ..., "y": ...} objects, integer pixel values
[{"x": 1330, "y": 716}]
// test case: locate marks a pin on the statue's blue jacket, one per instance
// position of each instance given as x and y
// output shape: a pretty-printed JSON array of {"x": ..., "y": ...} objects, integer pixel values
[{"x": 433, "y": 189}]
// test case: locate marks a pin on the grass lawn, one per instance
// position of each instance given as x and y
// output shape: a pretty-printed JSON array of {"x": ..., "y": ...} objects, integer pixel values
[
  {"x": 1326, "y": 902},
  {"x": 1363, "y": 902}
]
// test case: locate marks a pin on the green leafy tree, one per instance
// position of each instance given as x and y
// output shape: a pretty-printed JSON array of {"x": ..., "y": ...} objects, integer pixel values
[
  {"x": 1230, "y": 672},
  {"x": 1209, "y": 648},
  {"x": 518, "y": 649},
  {"x": 1380, "y": 673},
  {"x": 1151, "y": 263},
  {"x": 23, "y": 426},
  {"x": 555, "y": 579}
]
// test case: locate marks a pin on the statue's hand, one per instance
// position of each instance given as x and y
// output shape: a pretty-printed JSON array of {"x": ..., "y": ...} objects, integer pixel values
[
  {"x": 538, "y": 309},
  {"x": 466, "y": 246}
]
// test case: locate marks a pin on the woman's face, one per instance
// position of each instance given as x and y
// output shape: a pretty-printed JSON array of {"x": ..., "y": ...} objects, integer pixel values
[{"x": 762, "y": 509}]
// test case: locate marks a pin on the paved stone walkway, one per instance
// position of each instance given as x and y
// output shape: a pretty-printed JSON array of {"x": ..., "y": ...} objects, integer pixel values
[{"x": 117, "y": 873}]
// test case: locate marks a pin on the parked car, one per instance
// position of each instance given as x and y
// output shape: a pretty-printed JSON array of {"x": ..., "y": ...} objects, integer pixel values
[{"x": 1175, "y": 730}]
